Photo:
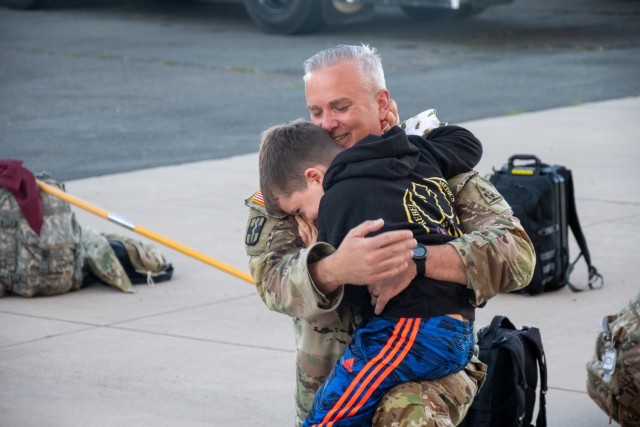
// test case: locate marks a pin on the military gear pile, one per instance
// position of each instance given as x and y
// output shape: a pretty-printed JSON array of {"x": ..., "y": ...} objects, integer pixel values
[
  {"x": 613, "y": 374},
  {"x": 508, "y": 396},
  {"x": 543, "y": 200},
  {"x": 102, "y": 263},
  {"x": 143, "y": 262},
  {"x": 36, "y": 265},
  {"x": 121, "y": 261}
]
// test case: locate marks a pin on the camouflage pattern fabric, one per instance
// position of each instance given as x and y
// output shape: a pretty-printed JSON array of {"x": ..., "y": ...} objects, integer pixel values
[
  {"x": 102, "y": 261},
  {"x": 431, "y": 403},
  {"x": 145, "y": 257},
  {"x": 38, "y": 265},
  {"x": 495, "y": 249},
  {"x": 498, "y": 256},
  {"x": 617, "y": 390}
]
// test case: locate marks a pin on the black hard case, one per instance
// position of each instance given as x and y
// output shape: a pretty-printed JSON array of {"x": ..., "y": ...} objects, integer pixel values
[{"x": 537, "y": 194}]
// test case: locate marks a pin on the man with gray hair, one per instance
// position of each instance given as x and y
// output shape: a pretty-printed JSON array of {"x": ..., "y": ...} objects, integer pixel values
[{"x": 347, "y": 96}]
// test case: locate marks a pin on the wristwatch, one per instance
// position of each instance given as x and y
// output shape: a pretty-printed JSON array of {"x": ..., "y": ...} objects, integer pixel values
[{"x": 420, "y": 258}]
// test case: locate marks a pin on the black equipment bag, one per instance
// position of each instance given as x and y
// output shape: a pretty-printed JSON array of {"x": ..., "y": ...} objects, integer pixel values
[
  {"x": 542, "y": 198},
  {"x": 508, "y": 396}
]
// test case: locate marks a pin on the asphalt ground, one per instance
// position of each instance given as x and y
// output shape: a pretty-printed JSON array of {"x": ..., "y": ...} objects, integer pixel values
[{"x": 120, "y": 86}]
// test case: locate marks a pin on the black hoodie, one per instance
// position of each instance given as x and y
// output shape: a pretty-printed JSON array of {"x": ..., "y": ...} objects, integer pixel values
[{"x": 401, "y": 179}]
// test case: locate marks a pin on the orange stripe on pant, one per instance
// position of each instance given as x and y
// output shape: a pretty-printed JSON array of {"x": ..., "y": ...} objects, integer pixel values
[
  {"x": 396, "y": 334},
  {"x": 385, "y": 374},
  {"x": 400, "y": 341}
]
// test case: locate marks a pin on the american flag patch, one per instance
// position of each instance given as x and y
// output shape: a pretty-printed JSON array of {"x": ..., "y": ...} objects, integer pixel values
[{"x": 258, "y": 199}]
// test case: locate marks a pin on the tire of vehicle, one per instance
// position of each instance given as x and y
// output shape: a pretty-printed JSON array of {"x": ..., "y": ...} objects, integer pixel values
[
  {"x": 286, "y": 16},
  {"x": 24, "y": 4},
  {"x": 436, "y": 14}
]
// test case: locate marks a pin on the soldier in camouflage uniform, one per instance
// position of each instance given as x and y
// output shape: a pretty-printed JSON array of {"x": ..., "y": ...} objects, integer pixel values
[{"x": 495, "y": 255}]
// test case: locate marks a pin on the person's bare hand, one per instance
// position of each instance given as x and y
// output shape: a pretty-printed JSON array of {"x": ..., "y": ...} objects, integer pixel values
[
  {"x": 382, "y": 291},
  {"x": 392, "y": 117},
  {"x": 308, "y": 231},
  {"x": 362, "y": 260}
]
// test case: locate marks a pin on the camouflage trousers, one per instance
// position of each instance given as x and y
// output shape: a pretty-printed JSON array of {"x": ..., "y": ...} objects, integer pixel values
[{"x": 437, "y": 403}]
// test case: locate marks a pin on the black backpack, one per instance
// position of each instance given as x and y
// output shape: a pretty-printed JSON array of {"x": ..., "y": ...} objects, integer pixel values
[
  {"x": 508, "y": 395},
  {"x": 542, "y": 198}
]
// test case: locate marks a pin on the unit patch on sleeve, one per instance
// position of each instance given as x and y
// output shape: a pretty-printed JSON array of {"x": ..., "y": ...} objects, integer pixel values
[
  {"x": 489, "y": 195},
  {"x": 254, "y": 229}
]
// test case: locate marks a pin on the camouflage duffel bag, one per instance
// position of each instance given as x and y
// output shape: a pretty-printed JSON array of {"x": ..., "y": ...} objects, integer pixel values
[
  {"x": 121, "y": 261},
  {"x": 613, "y": 374},
  {"x": 48, "y": 263},
  {"x": 142, "y": 261}
]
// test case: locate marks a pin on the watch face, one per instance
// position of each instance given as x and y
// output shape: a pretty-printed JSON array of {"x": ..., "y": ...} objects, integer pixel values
[{"x": 420, "y": 251}]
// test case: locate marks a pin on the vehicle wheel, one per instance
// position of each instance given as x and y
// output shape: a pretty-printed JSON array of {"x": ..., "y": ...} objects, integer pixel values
[
  {"x": 344, "y": 12},
  {"x": 24, "y": 4},
  {"x": 346, "y": 7},
  {"x": 286, "y": 16},
  {"x": 438, "y": 14}
]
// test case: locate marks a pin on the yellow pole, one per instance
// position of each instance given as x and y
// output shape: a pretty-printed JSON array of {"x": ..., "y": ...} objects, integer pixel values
[{"x": 56, "y": 192}]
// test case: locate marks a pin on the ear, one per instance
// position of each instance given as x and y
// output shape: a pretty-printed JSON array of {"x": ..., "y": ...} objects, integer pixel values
[
  {"x": 314, "y": 175},
  {"x": 383, "y": 100}
]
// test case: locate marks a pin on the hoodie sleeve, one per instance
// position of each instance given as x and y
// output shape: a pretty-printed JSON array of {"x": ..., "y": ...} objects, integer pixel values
[{"x": 455, "y": 149}]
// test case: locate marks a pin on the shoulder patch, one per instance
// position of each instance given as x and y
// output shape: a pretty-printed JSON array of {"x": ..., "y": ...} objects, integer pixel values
[
  {"x": 254, "y": 229},
  {"x": 256, "y": 201},
  {"x": 490, "y": 196}
]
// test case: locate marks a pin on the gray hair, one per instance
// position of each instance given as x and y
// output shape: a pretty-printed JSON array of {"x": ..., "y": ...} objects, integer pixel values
[{"x": 365, "y": 56}]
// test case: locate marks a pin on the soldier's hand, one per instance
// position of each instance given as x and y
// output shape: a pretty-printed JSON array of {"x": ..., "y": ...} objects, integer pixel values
[
  {"x": 308, "y": 231},
  {"x": 392, "y": 118},
  {"x": 361, "y": 260}
]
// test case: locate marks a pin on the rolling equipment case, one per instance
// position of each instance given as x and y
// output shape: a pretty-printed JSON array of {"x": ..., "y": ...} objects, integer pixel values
[{"x": 542, "y": 198}]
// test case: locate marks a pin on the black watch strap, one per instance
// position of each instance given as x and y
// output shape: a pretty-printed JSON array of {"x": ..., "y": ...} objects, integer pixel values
[
  {"x": 421, "y": 267},
  {"x": 420, "y": 258}
]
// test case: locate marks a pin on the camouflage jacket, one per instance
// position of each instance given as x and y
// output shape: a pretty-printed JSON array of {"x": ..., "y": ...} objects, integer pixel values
[
  {"x": 496, "y": 251},
  {"x": 613, "y": 373}
]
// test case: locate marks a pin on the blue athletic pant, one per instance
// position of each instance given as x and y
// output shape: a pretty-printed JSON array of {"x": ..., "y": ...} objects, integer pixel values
[{"x": 385, "y": 352}]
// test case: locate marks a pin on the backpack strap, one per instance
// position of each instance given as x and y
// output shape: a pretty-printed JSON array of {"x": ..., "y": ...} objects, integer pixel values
[
  {"x": 532, "y": 336},
  {"x": 596, "y": 281}
]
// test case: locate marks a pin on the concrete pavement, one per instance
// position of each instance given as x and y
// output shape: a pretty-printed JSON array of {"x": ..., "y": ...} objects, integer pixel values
[{"x": 202, "y": 349}]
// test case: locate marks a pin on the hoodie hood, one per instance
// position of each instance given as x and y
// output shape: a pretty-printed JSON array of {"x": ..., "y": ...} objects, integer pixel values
[{"x": 393, "y": 159}]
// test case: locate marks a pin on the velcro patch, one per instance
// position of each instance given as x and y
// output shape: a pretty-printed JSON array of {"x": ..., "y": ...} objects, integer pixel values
[
  {"x": 254, "y": 229},
  {"x": 258, "y": 199},
  {"x": 488, "y": 194}
]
